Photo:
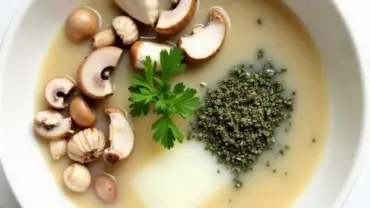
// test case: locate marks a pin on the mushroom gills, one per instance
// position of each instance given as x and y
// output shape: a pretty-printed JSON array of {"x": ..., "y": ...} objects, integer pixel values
[
  {"x": 145, "y": 11},
  {"x": 205, "y": 41},
  {"x": 173, "y": 21},
  {"x": 93, "y": 75},
  {"x": 121, "y": 136},
  {"x": 126, "y": 29},
  {"x": 58, "y": 90},
  {"x": 86, "y": 145},
  {"x": 50, "y": 124},
  {"x": 141, "y": 49}
]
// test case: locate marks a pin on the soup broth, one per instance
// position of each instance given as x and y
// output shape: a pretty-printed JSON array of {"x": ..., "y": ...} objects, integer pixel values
[{"x": 188, "y": 176}]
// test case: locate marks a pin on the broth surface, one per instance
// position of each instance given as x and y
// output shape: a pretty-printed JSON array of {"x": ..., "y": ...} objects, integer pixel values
[{"x": 284, "y": 39}]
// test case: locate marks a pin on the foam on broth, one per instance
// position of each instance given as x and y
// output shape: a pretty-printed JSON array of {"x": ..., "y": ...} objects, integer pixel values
[{"x": 284, "y": 39}]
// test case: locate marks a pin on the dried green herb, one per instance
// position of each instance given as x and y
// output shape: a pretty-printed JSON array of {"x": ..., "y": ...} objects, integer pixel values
[{"x": 238, "y": 120}]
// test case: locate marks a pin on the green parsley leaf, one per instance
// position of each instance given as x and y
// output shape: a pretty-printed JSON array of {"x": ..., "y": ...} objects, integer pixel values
[{"x": 153, "y": 90}]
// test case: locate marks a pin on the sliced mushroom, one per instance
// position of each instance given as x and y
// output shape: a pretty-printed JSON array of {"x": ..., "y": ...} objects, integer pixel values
[
  {"x": 57, "y": 90},
  {"x": 104, "y": 38},
  {"x": 145, "y": 11},
  {"x": 81, "y": 112},
  {"x": 141, "y": 49},
  {"x": 82, "y": 24},
  {"x": 77, "y": 178},
  {"x": 50, "y": 124},
  {"x": 171, "y": 22},
  {"x": 86, "y": 145},
  {"x": 126, "y": 29},
  {"x": 206, "y": 41},
  {"x": 93, "y": 75},
  {"x": 58, "y": 148},
  {"x": 121, "y": 136},
  {"x": 106, "y": 188}
]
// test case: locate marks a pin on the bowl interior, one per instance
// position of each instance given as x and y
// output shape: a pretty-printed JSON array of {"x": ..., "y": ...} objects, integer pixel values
[{"x": 30, "y": 36}]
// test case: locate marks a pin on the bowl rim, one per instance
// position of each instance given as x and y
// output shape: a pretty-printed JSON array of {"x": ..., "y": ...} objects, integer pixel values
[{"x": 364, "y": 68}]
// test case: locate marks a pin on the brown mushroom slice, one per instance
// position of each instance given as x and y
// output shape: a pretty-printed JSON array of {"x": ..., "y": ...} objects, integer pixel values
[
  {"x": 145, "y": 11},
  {"x": 81, "y": 112},
  {"x": 172, "y": 21},
  {"x": 50, "y": 124},
  {"x": 205, "y": 41},
  {"x": 93, "y": 75},
  {"x": 121, "y": 136},
  {"x": 141, "y": 49},
  {"x": 105, "y": 187},
  {"x": 57, "y": 90}
]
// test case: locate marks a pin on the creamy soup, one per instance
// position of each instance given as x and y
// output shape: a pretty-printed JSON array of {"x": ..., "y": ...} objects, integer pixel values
[{"x": 188, "y": 176}]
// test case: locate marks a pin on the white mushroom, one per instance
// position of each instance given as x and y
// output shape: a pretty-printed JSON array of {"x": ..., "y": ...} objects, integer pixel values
[
  {"x": 50, "y": 124},
  {"x": 58, "y": 148},
  {"x": 93, "y": 75},
  {"x": 145, "y": 11},
  {"x": 106, "y": 188},
  {"x": 82, "y": 24},
  {"x": 171, "y": 22},
  {"x": 206, "y": 41},
  {"x": 126, "y": 29},
  {"x": 121, "y": 136},
  {"x": 86, "y": 145},
  {"x": 57, "y": 90},
  {"x": 104, "y": 38},
  {"x": 141, "y": 49},
  {"x": 77, "y": 178}
]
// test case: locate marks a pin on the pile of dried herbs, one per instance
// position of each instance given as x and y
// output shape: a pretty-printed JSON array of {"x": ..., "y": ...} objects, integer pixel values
[{"x": 238, "y": 120}]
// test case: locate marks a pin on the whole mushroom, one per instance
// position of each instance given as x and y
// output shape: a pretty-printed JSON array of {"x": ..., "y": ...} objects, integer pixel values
[
  {"x": 50, "y": 124},
  {"x": 121, "y": 136},
  {"x": 94, "y": 75},
  {"x": 57, "y": 90},
  {"x": 81, "y": 112},
  {"x": 86, "y": 145},
  {"x": 82, "y": 24},
  {"x": 77, "y": 178}
]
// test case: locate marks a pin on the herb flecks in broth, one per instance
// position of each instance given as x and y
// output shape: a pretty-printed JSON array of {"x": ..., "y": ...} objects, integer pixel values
[
  {"x": 238, "y": 120},
  {"x": 154, "y": 90}
]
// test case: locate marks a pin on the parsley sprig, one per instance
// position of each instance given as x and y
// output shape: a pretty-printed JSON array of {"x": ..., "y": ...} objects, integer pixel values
[{"x": 154, "y": 90}]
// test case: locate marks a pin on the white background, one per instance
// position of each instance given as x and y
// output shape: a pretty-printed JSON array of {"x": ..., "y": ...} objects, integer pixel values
[{"x": 360, "y": 194}]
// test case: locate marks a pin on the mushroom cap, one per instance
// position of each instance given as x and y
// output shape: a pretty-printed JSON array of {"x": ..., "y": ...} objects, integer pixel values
[
  {"x": 141, "y": 49},
  {"x": 172, "y": 21},
  {"x": 121, "y": 136},
  {"x": 50, "y": 124},
  {"x": 77, "y": 178},
  {"x": 82, "y": 24},
  {"x": 126, "y": 29},
  {"x": 106, "y": 188},
  {"x": 207, "y": 41},
  {"x": 56, "y": 91},
  {"x": 81, "y": 112},
  {"x": 86, "y": 145},
  {"x": 145, "y": 11},
  {"x": 90, "y": 74}
]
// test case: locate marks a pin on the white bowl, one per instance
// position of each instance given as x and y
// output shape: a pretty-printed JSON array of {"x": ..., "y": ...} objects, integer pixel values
[{"x": 29, "y": 37}]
